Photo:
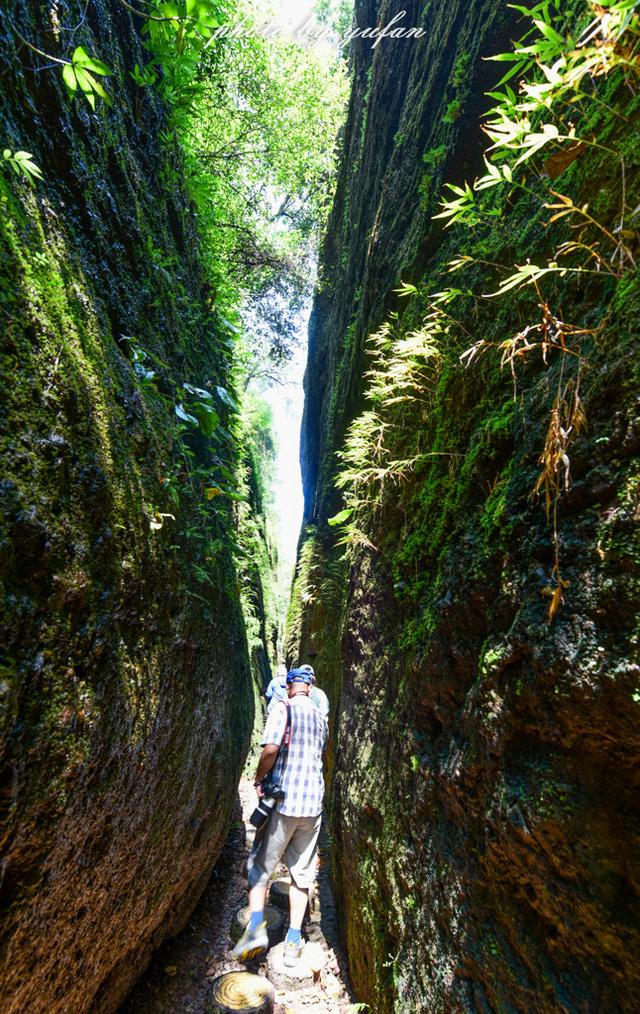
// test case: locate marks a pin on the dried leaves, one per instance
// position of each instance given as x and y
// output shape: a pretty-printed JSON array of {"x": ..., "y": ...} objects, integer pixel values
[{"x": 568, "y": 419}]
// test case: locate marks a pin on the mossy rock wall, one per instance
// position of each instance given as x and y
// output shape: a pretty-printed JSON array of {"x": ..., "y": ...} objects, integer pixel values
[
  {"x": 484, "y": 761},
  {"x": 125, "y": 684}
]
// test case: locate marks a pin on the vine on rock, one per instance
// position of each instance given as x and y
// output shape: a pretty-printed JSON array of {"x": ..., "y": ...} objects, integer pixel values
[{"x": 571, "y": 73}]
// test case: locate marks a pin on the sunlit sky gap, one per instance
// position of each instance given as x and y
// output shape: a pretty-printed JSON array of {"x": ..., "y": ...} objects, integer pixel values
[{"x": 287, "y": 400}]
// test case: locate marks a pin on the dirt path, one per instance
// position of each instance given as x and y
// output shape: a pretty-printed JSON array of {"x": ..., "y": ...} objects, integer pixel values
[{"x": 178, "y": 980}]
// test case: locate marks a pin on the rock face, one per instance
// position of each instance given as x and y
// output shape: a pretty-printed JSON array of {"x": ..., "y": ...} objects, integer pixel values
[
  {"x": 124, "y": 676},
  {"x": 485, "y": 761}
]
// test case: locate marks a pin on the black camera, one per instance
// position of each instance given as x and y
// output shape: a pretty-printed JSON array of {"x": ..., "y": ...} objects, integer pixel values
[{"x": 272, "y": 793}]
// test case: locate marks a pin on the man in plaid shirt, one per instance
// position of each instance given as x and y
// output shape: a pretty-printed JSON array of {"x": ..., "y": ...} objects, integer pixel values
[{"x": 294, "y": 825}]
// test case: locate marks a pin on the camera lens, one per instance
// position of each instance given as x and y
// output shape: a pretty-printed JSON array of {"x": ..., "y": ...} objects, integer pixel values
[{"x": 262, "y": 811}]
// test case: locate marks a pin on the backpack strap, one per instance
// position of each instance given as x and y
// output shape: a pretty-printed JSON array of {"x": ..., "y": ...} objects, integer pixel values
[{"x": 286, "y": 739}]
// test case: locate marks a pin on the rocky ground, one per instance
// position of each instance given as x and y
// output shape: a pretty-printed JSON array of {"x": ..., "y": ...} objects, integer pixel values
[{"x": 181, "y": 973}]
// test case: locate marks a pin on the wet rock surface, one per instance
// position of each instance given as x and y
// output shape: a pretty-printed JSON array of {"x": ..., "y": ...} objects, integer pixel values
[
  {"x": 126, "y": 698},
  {"x": 484, "y": 761}
]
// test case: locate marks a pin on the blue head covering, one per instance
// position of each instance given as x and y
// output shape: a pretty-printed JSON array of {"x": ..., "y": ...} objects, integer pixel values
[
  {"x": 276, "y": 687},
  {"x": 299, "y": 676}
]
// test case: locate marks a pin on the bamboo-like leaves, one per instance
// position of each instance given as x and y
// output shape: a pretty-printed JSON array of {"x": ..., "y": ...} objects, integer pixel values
[
  {"x": 341, "y": 517},
  {"x": 375, "y": 455},
  {"x": 406, "y": 289},
  {"x": 522, "y": 125},
  {"x": 526, "y": 274},
  {"x": 462, "y": 208},
  {"x": 495, "y": 175}
]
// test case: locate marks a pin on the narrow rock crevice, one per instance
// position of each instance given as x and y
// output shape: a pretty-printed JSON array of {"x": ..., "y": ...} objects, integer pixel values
[{"x": 183, "y": 972}]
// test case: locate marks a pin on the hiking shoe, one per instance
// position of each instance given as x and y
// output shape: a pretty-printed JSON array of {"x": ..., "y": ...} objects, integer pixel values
[
  {"x": 292, "y": 953},
  {"x": 251, "y": 944}
]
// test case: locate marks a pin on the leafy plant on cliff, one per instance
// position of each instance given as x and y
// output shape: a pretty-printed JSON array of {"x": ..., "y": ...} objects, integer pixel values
[
  {"x": 252, "y": 127},
  {"x": 257, "y": 558},
  {"x": 567, "y": 104},
  {"x": 559, "y": 104},
  {"x": 375, "y": 453},
  {"x": 80, "y": 74},
  {"x": 22, "y": 164}
]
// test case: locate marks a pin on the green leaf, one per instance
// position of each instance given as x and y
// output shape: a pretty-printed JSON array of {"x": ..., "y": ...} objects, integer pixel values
[
  {"x": 69, "y": 78},
  {"x": 97, "y": 87},
  {"x": 226, "y": 398},
  {"x": 456, "y": 190},
  {"x": 200, "y": 391},
  {"x": 23, "y": 165},
  {"x": 30, "y": 167},
  {"x": 208, "y": 419},
  {"x": 535, "y": 141},
  {"x": 81, "y": 58},
  {"x": 406, "y": 289},
  {"x": 170, "y": 10},
  {"x": 84, "y": 81},
  {"x": 493, "y": 177},
  {"x": 525, "y": 274},
  {"x": 184, "y": 415},
  {"x": 516, "y": 69},
  {"x": 502, "y": 58},
  {"x": 549, "y": 32},
  {"x": 341, "y": 517}
]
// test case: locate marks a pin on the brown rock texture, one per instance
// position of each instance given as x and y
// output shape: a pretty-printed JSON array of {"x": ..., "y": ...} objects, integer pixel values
[
  {"x": 125, "y": 687},
  {"x": 484, "y": 763}
]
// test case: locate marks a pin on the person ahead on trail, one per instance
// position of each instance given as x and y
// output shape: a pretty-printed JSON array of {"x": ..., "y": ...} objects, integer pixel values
[
  {"x": 277, "y": 688},
  {"x": 294, "y": 738},
  {"x": 277, "y": 691}
]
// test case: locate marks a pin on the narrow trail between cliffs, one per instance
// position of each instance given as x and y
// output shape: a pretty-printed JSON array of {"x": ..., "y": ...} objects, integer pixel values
[{"x": 180, "y": 976}]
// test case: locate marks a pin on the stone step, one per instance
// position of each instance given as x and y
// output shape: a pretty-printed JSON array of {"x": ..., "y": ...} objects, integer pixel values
[
  {"x": 306, "y": 973},
  {"x": 241, "y": 991},
  {"x": 279, "y": 896}
]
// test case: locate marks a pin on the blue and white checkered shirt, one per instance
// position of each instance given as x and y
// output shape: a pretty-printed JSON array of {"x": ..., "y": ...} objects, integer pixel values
[{"x": 300, "y": 773}]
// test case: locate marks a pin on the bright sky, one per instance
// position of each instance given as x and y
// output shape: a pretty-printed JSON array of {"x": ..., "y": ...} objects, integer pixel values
[
  {"x": 287, "y": 400},
  {"x": 287, "y": 403},
  {"x": 296, "y": 13},
  {"x": 293, "y": 11}
]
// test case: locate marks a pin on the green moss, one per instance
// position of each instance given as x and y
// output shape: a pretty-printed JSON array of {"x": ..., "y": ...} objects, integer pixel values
[
  {"x": 434, "y": 156},
  {"x": 453, "y": 111},
  {"x": 112, "y": 627},
  {"x": 463, "y": 655},
  {"x": 491, "y": 520}
]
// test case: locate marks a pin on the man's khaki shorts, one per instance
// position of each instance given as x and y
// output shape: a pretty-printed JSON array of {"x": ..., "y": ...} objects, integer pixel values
[{"x": 295, "y": 838}]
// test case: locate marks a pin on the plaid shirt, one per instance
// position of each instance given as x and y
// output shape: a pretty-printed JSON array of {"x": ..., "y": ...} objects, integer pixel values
[{"x": 300, "y": 772}]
